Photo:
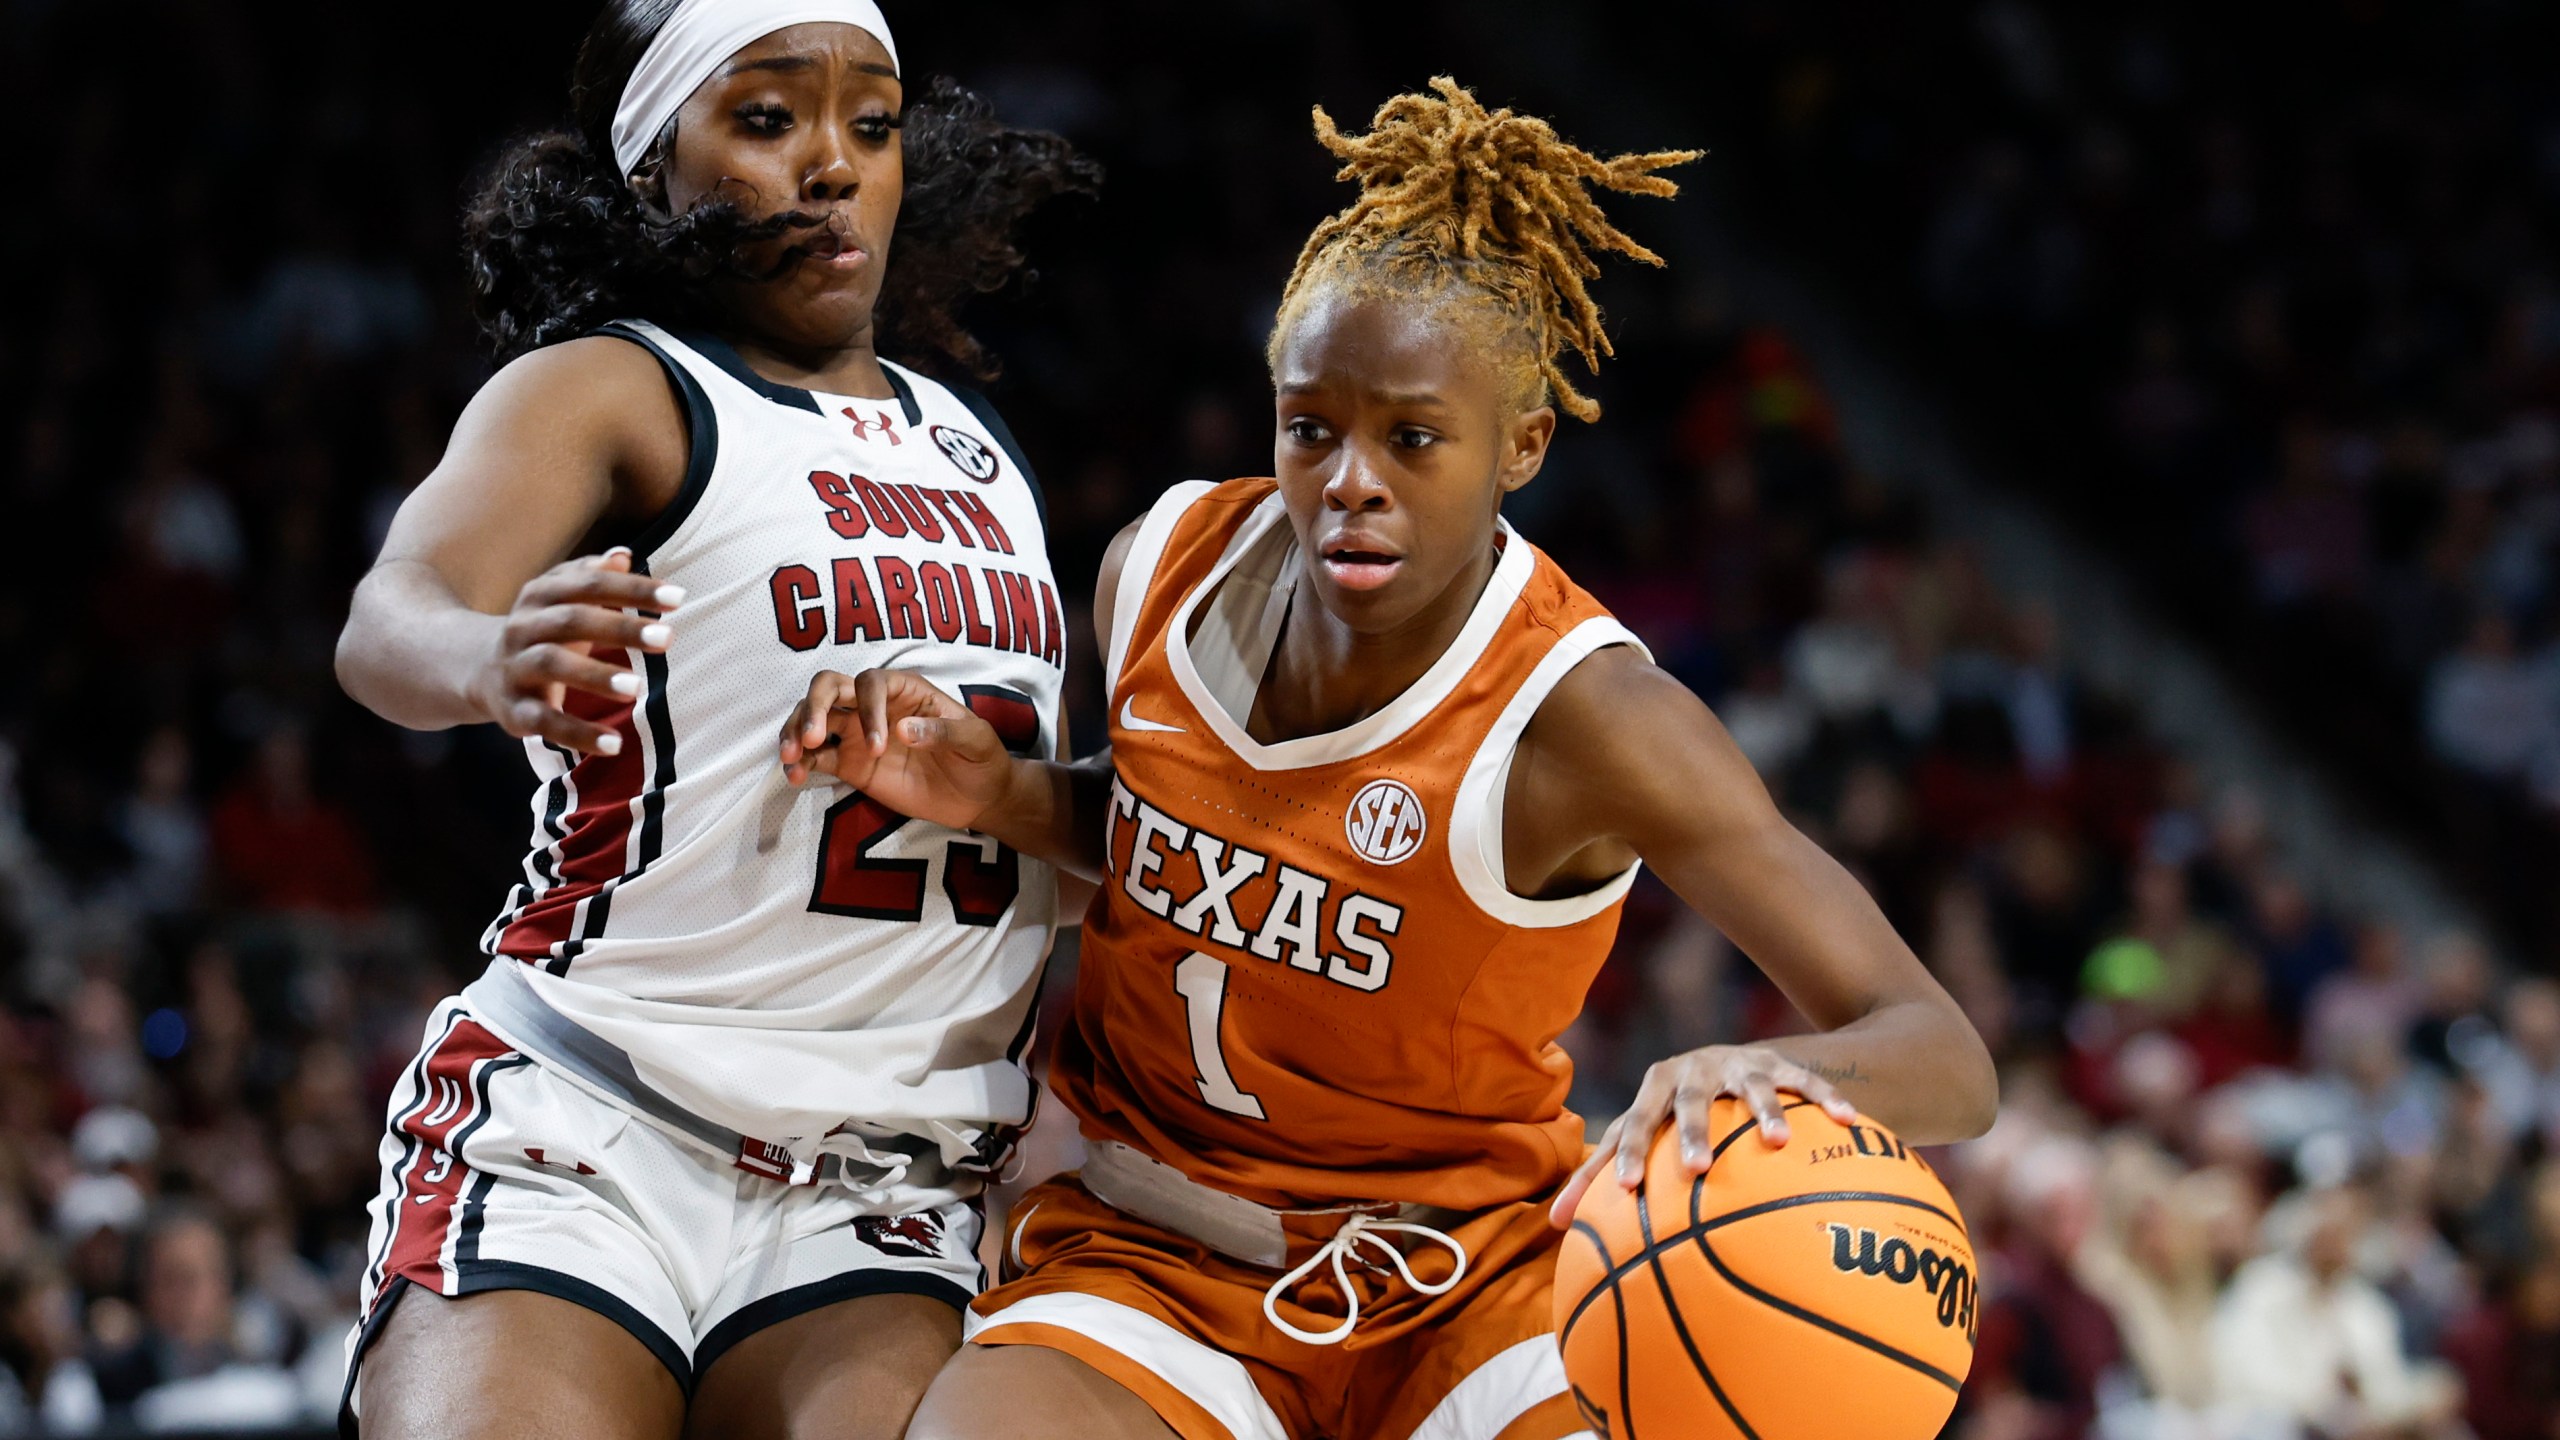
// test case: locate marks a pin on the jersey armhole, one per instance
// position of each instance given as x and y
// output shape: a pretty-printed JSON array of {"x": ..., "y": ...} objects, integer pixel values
[
  {"x": 702, "y": 441},
  {"x": 1475, "y": 821},
  {"x": 1138, "y": 573}
]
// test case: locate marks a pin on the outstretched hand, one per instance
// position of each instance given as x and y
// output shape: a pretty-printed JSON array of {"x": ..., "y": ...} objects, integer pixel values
[
  {"x": 893, "y": 736},
  {"x": 1681, "y": 1091},
  {"x": 547, "y": 647}
]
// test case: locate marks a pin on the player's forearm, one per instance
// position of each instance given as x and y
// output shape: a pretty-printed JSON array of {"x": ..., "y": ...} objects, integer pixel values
[
  {"x": 1054, "y": 812},
  {"x": 1914, "y": 1064},
  {"x": 411, "y": 648}
]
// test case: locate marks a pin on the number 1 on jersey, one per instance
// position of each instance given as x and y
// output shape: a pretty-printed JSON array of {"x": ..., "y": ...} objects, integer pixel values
[{"x": 1202, "y": 981}]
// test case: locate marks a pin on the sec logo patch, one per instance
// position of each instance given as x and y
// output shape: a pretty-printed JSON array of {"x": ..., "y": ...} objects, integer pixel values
[
  {"x": 968, "y": 453},
  {"x": 1385, "y": 822}
]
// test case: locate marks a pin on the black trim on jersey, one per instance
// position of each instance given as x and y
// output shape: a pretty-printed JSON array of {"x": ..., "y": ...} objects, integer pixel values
[
  {"x": 546, "y": 865},
  {"x": 662, "y": 737},
  {"x": 800, "y": 1300},
  {"x": 702, "y": 438},
  {"x": 721, "y": 353},
  {"x": 653, "y": 802},
  {"x": 542, "y": 862},
  {"x": 985, "y": 410},
  {"x": 906, "y": 394}
]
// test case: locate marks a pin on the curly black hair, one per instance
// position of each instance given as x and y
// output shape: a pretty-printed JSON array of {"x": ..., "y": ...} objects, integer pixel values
[{"x": 558, "y": 243}]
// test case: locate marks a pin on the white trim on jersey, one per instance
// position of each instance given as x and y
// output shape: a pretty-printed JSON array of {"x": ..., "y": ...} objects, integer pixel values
[
  {"x": 1494, "y": 1394},
  {"x": 1510, "y": 576},
  {"x": 1138, "y": 572},
  {"x": 1475, "y": 821},
  {"x": 1211, "y": 1379}
]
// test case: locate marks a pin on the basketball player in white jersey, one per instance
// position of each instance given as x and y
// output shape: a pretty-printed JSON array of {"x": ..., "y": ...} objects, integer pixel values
[{"x": 700, "y": 1150}]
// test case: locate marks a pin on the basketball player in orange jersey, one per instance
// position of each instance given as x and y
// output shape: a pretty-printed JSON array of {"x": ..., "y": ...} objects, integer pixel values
[
  {"x": 1379, "y": 778},
  {"x": 700, "y": 1149}
]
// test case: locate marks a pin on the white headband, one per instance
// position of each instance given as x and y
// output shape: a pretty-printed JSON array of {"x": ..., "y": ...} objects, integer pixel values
[{"x": 701, "y": 36}]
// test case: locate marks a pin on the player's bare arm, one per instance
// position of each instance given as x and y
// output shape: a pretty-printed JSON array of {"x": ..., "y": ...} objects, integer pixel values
[
  {"x": 895, "y": 735},
  {"x": 475, "y": 611},
  {"x": 1622, "y": 762}
]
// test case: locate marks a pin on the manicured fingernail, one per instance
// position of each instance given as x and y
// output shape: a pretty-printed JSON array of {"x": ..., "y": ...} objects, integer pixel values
[
  {"x": 670, "y": 596},
  {"x": 655, "y": 636},
  {"x": 625, "y": 683},
  {"x": 1776, "y": 1130},
  {"x": 617, "y": 550},
  {"x": 609, "y": 745}
]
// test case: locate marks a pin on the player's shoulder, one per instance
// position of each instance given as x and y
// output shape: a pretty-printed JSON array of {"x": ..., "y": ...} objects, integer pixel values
[
  {"x": 595, "y": 392},
  {"x": 589, "y": 370},
  {"x": 597, "y": 386},
  {"x": 1615, "y": 683},
  {"x": 1603, "y": 726},
  {"x": 1191, "y": 504}
]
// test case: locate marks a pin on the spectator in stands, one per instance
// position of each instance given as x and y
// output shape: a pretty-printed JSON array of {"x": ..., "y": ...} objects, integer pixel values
[
  {"x": 2152, "y": 1266},
  {"x": 2373, "y": 996},
  {"x": 2045, "y": 1342},
  {"x": 2189, "y": 949},
  {"x": 185, "y": 1364},
  {"x": 46, "y": 1387},
  {"x": 2489, "y": 713},
  {"x": 2507, "y": 1351},
  {"x": 281, "y": 846},
  {"x": 2455, "y": 1029},
  {"x": 2304, "y": 1338},
  {"x": 2522, "y": 1070},
  {"x": 163, "y": 828},
  {"x": 2297, "y": 944}
]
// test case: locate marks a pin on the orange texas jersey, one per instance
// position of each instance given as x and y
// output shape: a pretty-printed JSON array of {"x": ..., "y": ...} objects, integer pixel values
[{"x": 1305, "y": 980}]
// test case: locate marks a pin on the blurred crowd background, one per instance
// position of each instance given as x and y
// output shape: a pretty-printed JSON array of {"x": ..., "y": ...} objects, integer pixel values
[{"x": 2266, "y": 307}]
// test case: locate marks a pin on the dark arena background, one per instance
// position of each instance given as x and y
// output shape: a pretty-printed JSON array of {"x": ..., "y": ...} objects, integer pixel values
[{"x": 2101, "y": 460}]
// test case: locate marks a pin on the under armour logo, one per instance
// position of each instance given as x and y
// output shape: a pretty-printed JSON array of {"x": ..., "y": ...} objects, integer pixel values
[{"x": 862, "y": 429}]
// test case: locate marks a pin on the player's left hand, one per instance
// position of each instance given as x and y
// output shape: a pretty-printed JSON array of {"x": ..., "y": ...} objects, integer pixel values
[
  {"x": 1680, "y": 1091},
  {"x": 894, "y": 736}
]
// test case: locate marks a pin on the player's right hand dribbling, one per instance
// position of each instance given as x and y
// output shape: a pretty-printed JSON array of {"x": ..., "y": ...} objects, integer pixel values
[{"x": 547, "y": 643}]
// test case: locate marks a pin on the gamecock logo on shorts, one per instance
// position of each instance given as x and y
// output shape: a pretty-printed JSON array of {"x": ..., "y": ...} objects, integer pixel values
[
  {"x": 919, "y": 1235},
  {"x": 1385, "y": 822},
  {"x": 967, "y": 452}
]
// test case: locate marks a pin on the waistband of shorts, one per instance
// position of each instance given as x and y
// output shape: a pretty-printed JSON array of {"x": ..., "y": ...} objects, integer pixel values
[
  {"x": 1137, "y": 1184},
  {"x": 502, "y": 1000}
]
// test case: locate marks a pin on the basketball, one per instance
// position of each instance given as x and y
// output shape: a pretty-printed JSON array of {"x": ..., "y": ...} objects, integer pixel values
[{"x": 1824, "y": 1288}]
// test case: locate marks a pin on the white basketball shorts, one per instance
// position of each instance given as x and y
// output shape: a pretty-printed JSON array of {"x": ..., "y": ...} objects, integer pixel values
[{"x": 498, "y": 1174}]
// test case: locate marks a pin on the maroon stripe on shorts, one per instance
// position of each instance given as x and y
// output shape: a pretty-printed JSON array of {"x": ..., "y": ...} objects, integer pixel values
[{"x": 434, "y": 1185}]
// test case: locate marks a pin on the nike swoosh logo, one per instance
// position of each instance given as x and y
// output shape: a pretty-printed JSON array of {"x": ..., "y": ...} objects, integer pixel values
[{"x": 1131, "y": 720}]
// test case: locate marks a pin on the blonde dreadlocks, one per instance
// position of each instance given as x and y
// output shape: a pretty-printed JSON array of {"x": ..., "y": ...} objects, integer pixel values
[{"x": 1453, "y": 194}]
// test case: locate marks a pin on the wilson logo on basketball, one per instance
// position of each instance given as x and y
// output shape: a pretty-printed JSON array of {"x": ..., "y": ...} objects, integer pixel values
[
  {"x": 1946, "y": 1277},
  {"x": 1385, "y": 822},
  {"x": 966, "y": 452}
]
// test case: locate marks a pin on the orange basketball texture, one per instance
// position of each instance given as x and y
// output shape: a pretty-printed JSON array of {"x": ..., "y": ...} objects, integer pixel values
[{"x": 1818, "y": 1291}]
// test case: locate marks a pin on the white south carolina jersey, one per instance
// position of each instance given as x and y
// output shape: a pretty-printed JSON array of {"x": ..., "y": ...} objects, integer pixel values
[{"x": 801, "y": 974}]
